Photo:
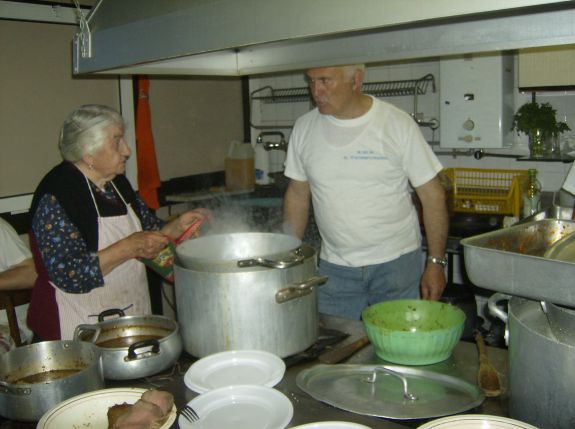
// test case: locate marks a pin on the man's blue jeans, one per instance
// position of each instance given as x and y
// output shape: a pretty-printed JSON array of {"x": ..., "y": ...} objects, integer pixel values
[{"x": 349, "y": 290}]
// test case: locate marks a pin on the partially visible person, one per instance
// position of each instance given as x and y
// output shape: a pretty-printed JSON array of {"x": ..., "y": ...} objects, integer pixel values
[
  {"x": 354, "y": 157},
  {"x": 17, "y": 272},
  {"x": 89, "y": 230}
]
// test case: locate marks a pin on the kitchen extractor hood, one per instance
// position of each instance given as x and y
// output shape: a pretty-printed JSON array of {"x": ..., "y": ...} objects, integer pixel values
[{"x": 247, "y": 37}]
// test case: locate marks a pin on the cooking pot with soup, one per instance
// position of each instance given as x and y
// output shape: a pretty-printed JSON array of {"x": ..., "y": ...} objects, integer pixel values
[
  {"x": 133, "y": 346},
  {"x": 36, "y": 377}
]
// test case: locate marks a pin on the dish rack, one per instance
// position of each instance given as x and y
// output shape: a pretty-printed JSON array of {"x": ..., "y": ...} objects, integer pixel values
[{"x": 489, "y": 191}]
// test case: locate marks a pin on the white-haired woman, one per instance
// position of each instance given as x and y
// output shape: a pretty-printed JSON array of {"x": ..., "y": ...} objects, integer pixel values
[{"x": 89, "y": 228}]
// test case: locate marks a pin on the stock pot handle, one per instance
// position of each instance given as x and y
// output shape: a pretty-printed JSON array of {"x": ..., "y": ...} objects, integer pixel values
[
  {"x": 299, "y": 289},
  {"x": 296, "y": 259},
  {"x": 14, "y": 390},
  {"x": 132, "y": 355}
]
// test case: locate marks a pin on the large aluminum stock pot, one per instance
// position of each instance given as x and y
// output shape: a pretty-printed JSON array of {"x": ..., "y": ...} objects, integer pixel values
[
  {"x": 247, "y": 291},
  {"x": 133, "y": 346},
  {"x": 541, "y": 365},
  {"x": 37, "y": 377}
]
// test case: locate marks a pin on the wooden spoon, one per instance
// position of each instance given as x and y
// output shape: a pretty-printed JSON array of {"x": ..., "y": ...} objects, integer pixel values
[{"x": 487, "y": 376}]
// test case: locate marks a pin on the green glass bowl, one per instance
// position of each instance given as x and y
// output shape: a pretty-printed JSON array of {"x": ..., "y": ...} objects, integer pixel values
[{"x": 413, "y": 332}]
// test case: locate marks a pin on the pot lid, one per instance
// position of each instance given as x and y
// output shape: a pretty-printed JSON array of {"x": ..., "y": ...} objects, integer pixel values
[{"x": 390, "y": 391}]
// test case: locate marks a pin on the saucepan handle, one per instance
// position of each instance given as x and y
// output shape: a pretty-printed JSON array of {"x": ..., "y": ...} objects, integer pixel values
[
  {"x": 494, "y": 309},
  {"x": 80, "y": 329}
]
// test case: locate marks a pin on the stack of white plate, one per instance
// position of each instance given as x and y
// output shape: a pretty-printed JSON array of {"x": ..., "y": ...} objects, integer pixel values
[{"x": 236, "y": 391}]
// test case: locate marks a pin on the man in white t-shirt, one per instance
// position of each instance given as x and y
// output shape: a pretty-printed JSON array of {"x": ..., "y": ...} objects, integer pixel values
[
  {"x": 17, "y": 272},
  {"x": 354, "y": 157}
]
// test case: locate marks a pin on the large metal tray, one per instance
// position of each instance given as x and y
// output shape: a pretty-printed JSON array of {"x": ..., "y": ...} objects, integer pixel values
[{"x": 511, "y": 261}]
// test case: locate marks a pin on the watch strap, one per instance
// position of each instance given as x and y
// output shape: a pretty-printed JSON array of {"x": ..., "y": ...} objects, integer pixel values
[{"x": 436, "y": 260}]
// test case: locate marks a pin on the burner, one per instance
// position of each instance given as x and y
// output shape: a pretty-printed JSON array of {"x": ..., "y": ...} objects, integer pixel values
[{"x": 326, "y": 338}]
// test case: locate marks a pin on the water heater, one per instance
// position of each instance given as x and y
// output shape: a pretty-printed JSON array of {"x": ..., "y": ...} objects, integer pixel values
[{"x": 476, "y": 101}]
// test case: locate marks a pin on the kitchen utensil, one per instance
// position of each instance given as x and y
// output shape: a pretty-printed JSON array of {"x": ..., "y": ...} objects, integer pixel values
[
  {"x": 510, "y": 260},
  {"x": 234, "y": 367},
  {"x": 267, "y": 305},
  {"x": 413, "y": 332},
  {"x": 241, "y": 407},
  {"x": 348, "y": 387},
  {"x": 36, "y": 377},
  {"x": 189, "y": 414},
  {"x": 487, "y": 376},
  {"x": 90, "y": 410},
  {"x": 133, "y": 346},
  {"x": 476, "y": 421},
  {"x": 338, "y": 354},
  {"x": 541, "y": 376}
]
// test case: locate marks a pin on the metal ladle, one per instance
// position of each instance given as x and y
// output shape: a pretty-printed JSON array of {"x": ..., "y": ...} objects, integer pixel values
[{"x": 386, "y": 371}]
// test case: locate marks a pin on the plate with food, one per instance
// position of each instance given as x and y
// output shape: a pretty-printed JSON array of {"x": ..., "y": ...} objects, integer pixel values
[{"x": 102, "y": 409}]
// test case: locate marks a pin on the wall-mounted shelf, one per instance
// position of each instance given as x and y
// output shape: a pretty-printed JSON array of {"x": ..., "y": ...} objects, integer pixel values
[{"x": 395, "y": 88}]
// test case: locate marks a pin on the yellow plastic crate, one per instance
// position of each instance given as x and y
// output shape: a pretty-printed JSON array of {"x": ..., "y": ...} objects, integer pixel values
[{"x": 489, "y": 191}]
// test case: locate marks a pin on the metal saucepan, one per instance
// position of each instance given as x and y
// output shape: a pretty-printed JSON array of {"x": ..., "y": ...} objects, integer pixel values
[
  {"x": 37, "y": 377},
  {"x": 133, "y": 346}
]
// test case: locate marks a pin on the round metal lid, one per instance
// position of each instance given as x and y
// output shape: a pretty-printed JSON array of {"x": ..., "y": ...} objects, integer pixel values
[{"x": 395, "y": 392}]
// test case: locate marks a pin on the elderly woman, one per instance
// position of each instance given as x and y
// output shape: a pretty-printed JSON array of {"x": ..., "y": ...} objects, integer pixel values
[{"x": 89, "y": 228}]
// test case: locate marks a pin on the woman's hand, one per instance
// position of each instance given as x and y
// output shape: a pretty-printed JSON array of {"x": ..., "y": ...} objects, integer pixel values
[
  {"x": 176, "y": 228},
  {"x": 144, "y": 244},
  {"x": 147, "y": 244}
]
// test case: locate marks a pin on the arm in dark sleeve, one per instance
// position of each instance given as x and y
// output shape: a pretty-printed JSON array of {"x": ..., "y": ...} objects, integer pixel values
[
  {"x": 150, "y": 222},
  {"x": 69, "y": 263}
]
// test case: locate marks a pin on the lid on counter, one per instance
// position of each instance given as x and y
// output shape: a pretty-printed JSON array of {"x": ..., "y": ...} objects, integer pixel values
[{"x": 397, "y": 392}]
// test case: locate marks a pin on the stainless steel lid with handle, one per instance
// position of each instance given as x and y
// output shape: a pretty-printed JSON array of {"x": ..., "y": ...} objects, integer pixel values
[{"x": 390, "y": 391}]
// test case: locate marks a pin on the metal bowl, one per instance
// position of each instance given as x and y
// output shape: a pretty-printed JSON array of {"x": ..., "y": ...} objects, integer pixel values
[{"x": 413, "y": 332}]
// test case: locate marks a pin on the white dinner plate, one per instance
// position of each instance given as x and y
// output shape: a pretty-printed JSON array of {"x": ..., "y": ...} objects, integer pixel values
[
  {"x": 240, "y": 407},
  {"x": 476, "y": 421},
  {"x": 332, "y": 425},
  {"x": 234, "y": 368},
  {"x": 90, "y": 410}
]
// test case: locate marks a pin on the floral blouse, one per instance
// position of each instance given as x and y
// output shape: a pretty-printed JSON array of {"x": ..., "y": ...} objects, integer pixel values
[{"x": 70, "y": 265}]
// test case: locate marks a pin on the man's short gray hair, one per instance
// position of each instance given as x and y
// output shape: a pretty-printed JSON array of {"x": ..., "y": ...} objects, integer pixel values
[
  {"x": 84, "y": 130},
  {"x": 350, "y": 69}
]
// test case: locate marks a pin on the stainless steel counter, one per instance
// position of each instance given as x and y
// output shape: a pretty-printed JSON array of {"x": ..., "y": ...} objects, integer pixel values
[{"x": 463, "y": 364}]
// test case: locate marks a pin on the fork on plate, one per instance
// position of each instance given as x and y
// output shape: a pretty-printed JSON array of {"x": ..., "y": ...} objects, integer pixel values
[{"x": 189, "y": 414}]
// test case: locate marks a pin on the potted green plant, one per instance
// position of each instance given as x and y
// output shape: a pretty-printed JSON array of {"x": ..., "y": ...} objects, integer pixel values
[{"x": 538, "y": 122}]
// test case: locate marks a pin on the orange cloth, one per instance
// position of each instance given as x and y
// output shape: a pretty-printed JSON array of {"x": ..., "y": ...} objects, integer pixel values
[{"x": 148, "y": 173}]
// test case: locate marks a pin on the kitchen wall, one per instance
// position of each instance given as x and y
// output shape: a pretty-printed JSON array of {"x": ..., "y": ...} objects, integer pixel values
[{"x": 552, "y": 174}]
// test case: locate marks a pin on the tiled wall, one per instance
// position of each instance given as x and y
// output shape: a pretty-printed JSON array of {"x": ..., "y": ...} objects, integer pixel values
[{"x": 551, "y": 174}]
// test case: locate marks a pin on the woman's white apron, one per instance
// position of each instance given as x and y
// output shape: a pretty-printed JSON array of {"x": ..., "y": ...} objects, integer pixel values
[{"x": 125, "y": 287}]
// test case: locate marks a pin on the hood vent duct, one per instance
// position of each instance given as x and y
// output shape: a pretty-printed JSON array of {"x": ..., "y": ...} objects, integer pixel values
[{"x": 248, "y": 37}]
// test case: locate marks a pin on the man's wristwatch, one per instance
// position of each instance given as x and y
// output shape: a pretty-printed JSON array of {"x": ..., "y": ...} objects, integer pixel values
[{"x": 440, "y": 261}]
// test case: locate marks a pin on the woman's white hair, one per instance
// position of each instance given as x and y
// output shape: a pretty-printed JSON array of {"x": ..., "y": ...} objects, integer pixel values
[{"x": 84, "y": 130}]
